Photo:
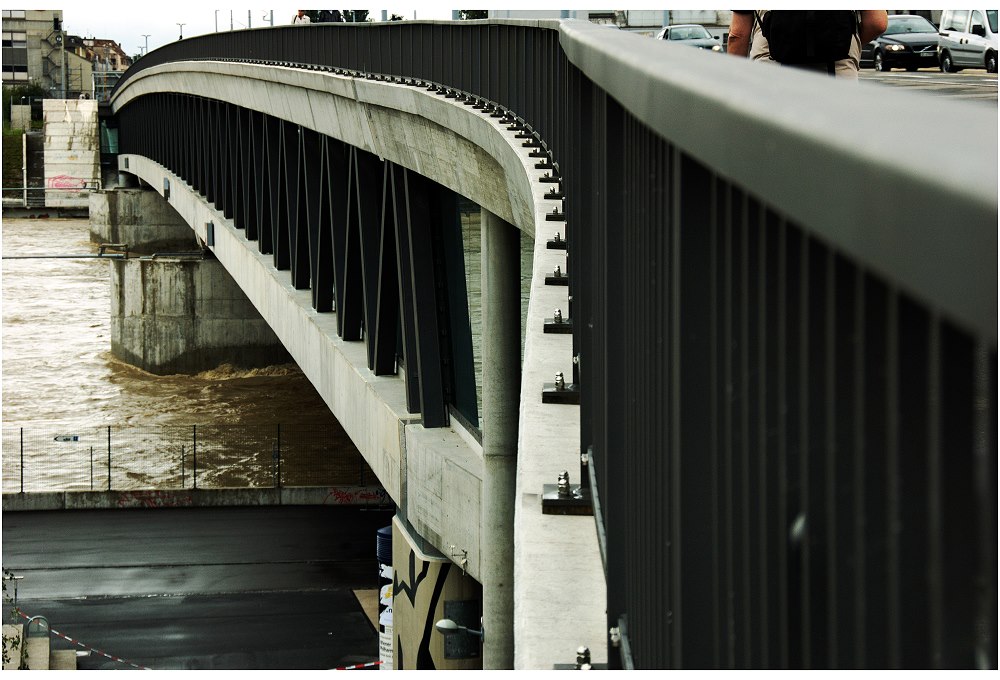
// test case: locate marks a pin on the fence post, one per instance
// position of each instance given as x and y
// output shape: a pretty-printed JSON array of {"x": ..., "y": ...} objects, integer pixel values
[
  {"x": 277, "y": 456},
  {"x": 22, "y": 460},
  {"x": 91, "y": 468},
  {"x": 182, "y": 466},
  {"x": 109, "y": 458},
  {"x": 194, "y": 456}
]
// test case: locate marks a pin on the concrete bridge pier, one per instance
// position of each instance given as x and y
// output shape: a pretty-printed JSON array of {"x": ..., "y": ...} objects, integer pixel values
[
  {"x": 501, "y": 350},
  {"x": 174, "y": 308}
]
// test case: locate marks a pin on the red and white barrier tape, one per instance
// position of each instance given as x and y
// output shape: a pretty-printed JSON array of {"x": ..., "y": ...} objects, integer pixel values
[
  {"x": 89, "y": 649},
  {"x": 356, "y": 666}
]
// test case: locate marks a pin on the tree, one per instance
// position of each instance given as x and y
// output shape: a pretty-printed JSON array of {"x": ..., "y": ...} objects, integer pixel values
[
  {"x": 355, "y": 15},
  {"x": 469, "y": 14},
  {"x": 396, "y": 17}
]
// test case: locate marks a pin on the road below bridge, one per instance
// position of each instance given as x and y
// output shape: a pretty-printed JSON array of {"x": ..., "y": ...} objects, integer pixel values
[{"x": 201, "y": 588}]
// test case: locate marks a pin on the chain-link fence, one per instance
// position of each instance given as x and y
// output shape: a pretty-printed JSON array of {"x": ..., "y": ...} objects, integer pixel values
[{"x": 120, "y": 458}]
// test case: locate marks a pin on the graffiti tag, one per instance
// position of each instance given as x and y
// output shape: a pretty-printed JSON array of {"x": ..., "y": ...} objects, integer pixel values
[
  {"x": 65, "y": 182},
  {"x": 356, "y": 496},
  {"x": 152, "y": 499}
]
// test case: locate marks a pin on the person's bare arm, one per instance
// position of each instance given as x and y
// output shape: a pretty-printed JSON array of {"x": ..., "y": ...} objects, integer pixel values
[
  {"x": 740, "y": 28},
  {"x": 873, "y": 24}
]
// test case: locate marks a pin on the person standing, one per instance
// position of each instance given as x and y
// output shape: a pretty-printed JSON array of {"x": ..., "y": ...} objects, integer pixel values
[
  {"x": 749, "y": 29},
  {"x": 301, "y": 18}
]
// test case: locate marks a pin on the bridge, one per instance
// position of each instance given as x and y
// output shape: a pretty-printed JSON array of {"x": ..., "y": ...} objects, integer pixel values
[{"x": 760, "y": 335}]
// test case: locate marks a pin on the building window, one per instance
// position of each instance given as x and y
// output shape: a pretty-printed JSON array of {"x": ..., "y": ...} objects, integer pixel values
[
  {"x": 13, "y": 14},
  {"x": 15, "y": 40}
]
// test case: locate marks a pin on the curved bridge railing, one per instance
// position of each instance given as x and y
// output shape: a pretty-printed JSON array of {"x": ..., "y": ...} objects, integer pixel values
[{"x": 784, "y": 318}]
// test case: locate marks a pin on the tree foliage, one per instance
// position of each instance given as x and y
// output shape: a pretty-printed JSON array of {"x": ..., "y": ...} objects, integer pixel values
[{"x": 469, "y": 14}]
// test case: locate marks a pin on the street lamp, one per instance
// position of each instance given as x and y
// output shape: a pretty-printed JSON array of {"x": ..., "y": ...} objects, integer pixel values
[
  {"x": 448, "y": 627},
  {"x": 181, "y": 27}
]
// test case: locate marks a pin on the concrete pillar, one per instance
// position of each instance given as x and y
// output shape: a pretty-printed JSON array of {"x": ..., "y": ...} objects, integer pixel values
[
  {"x": 177, "y": 311},
  {"x": 139, "y": 218},
  {"x": 186, "y": 315},
  {"x": 501, "y": 348}
]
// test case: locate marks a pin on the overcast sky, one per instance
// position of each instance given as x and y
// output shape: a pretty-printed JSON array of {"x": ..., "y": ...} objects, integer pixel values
[{"x": 127, "y": 23}]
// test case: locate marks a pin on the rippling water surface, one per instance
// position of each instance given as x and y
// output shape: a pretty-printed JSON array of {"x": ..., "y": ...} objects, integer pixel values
[{"x": 58, "y": 371}]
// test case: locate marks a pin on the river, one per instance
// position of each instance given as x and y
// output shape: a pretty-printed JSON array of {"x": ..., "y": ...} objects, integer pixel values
[
  {"x": 75, "y": 417},
  {"x": 60, "y": 379}
]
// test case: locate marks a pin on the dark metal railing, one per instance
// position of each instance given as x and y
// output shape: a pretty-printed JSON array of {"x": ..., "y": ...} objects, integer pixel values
[{"x": 785, "y": 321}]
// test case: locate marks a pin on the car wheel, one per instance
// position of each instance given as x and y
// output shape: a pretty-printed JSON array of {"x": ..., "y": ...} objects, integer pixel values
[
  {"x": 991, "y": 62},
  {"x": 946, "y": 65},
  {"x": 880, "y": 63}
]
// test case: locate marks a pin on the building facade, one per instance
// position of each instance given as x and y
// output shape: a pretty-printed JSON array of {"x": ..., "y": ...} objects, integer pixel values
[{"x": 34, "y": 49}]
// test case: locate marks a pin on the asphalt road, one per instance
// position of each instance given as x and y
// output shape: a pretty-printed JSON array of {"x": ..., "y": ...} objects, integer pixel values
[
  {"x": 971, "y": 85},
  {"x": 207, "y": 588}
]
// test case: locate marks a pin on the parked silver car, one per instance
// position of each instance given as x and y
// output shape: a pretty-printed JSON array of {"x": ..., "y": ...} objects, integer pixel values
[
  {"x": 694, "y": 35},
  {"x": 968, "y": 39}
]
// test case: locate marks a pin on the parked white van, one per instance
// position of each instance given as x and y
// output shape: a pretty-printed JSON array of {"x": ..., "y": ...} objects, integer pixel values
[{"x": 968, "y": 39}]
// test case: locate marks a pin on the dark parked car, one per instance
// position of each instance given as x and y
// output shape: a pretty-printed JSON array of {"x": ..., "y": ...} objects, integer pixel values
[
  {"x": 694, "y": 35},
  {"x": 909, "y": 42}
]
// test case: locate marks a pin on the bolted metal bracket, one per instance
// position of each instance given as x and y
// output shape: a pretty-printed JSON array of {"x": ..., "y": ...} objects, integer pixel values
[
  {"x": 547, "y": 178},
  {"x": 559, "y": 392},
  {"x": 557, "y": 324},
  {"x": 558, "y": 243},
  {"x": 562, "y": 498},
  {"x": 555, "y": 216},
  {"x": 544, "y": 165},
  {"x": 554, "y": 194},
  {"x": 539, "y": 153},
  {"x": 557, "y": 278}
]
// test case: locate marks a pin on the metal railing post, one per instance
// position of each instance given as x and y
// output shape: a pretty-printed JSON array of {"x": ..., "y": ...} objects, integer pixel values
[
  {"x": 277, "y": 456},
  {"x": 91, "y": 468},
  {"x": 22, "y": 459},
  {"x": 182, "y": 466},
  {"x": 109, "y": 458},
  {"x": 194, "y": 456}
]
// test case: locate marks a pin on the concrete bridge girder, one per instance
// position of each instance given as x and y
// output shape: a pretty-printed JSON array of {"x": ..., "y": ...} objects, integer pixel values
[
  {"x": 412, "y": 128},
  {"x": 436, "y": 474}
]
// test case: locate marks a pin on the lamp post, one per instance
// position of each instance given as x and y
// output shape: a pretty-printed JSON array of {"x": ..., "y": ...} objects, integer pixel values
[{"x": 181, "y": 27}]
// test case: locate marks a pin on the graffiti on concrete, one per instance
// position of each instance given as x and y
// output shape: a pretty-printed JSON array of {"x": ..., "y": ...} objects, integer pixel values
[
  {"x": 65, "y": 182},
  {"x": 153, "y": 499},
  {"x": 356, "y": 496}
]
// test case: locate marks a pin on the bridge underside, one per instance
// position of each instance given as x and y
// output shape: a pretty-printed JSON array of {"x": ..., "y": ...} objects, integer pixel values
[{"x": 356, "y": 262}]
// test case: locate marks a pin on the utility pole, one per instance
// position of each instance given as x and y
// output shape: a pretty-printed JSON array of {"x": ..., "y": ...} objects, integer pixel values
[
  {"x": 181, "y": 27},
  {"x": 248, "y": 19},
  {"x": 146, "y": 36}
]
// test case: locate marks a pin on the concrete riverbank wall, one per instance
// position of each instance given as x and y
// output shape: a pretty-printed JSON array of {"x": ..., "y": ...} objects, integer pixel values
[{"x": 372, "y": 495}]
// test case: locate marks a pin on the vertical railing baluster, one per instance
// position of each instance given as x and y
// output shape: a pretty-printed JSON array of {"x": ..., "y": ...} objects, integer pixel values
[{"x": 194, "y": 456}]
